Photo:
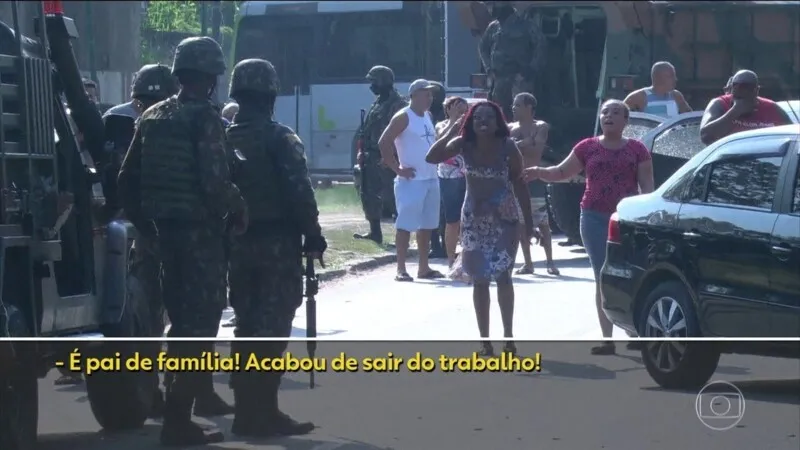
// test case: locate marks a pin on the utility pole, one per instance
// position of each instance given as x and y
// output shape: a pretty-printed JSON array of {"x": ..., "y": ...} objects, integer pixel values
[
  {"x": 216, "y": 24},
  {"x": 203, "y": 19}
]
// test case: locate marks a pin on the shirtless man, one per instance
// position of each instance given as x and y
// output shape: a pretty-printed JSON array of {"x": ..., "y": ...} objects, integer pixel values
[{"x": 531, "y": 136}]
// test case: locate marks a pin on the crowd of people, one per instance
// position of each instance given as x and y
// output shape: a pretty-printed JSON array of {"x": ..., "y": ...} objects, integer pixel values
[{"x": 486, "y": 178}]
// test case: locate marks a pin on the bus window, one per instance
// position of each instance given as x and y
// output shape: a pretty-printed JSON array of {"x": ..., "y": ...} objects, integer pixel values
[
  {"x": 354, "y": 42},
  {"x": 286, "y": 41}
]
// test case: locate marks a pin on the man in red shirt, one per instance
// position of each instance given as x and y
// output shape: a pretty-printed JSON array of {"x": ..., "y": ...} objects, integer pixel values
[{"x": 741, "y": 109}]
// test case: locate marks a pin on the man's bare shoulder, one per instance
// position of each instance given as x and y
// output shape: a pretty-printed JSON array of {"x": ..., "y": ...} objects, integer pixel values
[
  {"x": 541, "y": 124},
  {"x": 514, "y": 128}
]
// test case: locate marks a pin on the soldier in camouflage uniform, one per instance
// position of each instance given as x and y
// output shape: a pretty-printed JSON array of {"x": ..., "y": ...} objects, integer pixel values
[
  {"x": 266, "y": 263},
  {"x": 377, "y": 181},
  {"x": 152, "y": 84},
  {"x": 511, "y": 50},
  {"x": 178, "y": 158}
]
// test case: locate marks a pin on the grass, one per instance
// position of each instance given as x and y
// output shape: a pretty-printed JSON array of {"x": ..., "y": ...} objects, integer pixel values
[
  {"x": 344, "y": 249},
  {"x": 340, "y": 198}
]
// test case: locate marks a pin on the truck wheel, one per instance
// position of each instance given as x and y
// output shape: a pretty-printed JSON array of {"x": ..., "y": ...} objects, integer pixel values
[
  {"x": 19, "y": 388},
  {"x": 668, "y": 311},
  {"x": 565, "y": 199},
  {"x": 123, "y": 400}
]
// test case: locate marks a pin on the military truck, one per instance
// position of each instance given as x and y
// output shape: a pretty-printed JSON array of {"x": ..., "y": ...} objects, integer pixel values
[
  {"x": 63, "y": 264},
  {"x": 600, "y": 50}
]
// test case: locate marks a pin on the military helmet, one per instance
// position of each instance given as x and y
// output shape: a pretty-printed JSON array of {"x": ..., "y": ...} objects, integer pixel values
[
  {"x": 381, "y": 75},
  {"x": 256, "y": 75},
  {"x": 201, "y": 54},
  {"x": 154, "y": 80}
]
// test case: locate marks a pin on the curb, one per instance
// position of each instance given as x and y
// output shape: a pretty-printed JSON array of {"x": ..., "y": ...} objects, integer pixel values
[{"x": 363, "y": 265}]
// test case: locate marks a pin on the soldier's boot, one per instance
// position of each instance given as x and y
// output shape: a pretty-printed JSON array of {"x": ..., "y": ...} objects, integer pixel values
[
  {"x": 246, "y": 410},
  {"x": 375, "y": 232},
  {"x": 178, "y": 429},
  {"x": 278, "y": 422},
  {"x": 210, "y": 404}
]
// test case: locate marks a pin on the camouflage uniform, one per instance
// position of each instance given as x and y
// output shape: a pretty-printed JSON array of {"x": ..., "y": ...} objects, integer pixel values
[
  {"x": 511, "y": 50},
  {"x": 377, "y": 180},
  {"x": 178, "y": 158},
  {"x": 266, "y": 263}
]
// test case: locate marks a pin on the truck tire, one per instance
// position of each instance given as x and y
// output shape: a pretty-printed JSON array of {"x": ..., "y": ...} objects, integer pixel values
[
  {"x": 19, "y": 387},
  {"x": 123, "y": 400},
  {"x": 565, "y": 200}
]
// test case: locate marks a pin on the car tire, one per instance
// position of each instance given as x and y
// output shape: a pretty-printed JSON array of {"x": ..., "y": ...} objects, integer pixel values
[
  {"x": 691, "y": 363},
  {"x": 19, "y": 387},
  {"x": 123, "y": 400}
]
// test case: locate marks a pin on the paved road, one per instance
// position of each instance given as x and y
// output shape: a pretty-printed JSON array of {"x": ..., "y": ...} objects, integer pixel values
[
  {"x": 374, "y": 306},
  {"x": 576, "y": 402}
]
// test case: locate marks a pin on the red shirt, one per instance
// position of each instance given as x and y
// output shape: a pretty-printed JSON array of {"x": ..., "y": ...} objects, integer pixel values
[
  {"x": 611, "y": 174},
  {"x": 767, "y": 114}
]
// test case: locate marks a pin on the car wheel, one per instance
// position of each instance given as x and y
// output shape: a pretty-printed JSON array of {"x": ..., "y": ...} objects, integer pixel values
[
  {"x": 123, "y": 400},
  {"x": 668, "y": 312},
  {"x": 19, "y": 387}
]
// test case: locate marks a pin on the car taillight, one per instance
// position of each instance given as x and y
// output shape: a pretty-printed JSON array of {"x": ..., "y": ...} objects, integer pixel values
[{"x": 613, "y": 229}]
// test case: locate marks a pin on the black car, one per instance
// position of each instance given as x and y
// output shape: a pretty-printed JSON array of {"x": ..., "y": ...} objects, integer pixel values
[{"x": 713, "y": 252}]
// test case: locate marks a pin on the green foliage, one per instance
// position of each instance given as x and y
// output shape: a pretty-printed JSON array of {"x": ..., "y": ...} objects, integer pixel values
[{"x": 180, "y": 16}]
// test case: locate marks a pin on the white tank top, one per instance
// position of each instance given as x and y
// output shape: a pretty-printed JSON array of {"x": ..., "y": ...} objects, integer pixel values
[{"x": 414, "y": 142}]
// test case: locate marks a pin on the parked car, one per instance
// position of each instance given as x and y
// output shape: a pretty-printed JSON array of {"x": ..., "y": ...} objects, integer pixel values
[{"x": 713, "y": 252}]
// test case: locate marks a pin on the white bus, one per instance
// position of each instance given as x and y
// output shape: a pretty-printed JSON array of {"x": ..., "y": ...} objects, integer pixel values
[{"x": 323, "y": 50}]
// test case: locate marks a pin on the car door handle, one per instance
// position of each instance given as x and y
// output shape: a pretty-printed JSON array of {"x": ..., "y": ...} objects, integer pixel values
[
  {"x": 691, "y": 236},
  {"x": 781, "y": 252}
]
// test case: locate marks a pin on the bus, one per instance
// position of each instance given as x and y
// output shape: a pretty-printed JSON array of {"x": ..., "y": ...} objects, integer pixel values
[{"x": 323, "y": 50}]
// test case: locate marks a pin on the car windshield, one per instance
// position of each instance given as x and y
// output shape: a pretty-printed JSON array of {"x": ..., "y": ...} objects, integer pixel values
[
  {"x": 682, "y": 141},
  {"x": 638, "y": 127}
]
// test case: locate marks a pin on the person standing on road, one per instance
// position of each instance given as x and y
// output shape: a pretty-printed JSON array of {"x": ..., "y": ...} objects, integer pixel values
[
  {"x": 376, "y": 179},
  {"x": 490, "y": 217},
  {"x": 266, "y": 275},
  {"x": 530, "y": 135},
  {"x": 153, "y": 83},
  {"x": 740, "y": 110},
  {"x": 661, "y": 98},
  {"x": 178, "y": 146},
  {"x": 437, "y": 116},
  {"x": 452, "y": 183},
  {"x": 416, "y": 188},
  {"x": 615, "y": 168}
]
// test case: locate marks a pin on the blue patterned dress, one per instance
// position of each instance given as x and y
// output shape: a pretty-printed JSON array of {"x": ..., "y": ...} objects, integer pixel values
[{"x": 489, "y": 218}]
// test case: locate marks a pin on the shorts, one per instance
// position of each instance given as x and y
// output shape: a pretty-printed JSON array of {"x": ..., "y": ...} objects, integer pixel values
[
  {"x": 453, "y": 191},
  {"x": 539, "y": 212},
  {"x": 418, "y": 203}
]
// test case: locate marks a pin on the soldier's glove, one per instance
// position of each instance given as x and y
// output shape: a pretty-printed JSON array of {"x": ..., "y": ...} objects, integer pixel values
[{"x": 315, "y": 246}]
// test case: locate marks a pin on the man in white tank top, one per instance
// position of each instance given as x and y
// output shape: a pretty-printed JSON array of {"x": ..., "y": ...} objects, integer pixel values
[{"x": 416, "y": 189}]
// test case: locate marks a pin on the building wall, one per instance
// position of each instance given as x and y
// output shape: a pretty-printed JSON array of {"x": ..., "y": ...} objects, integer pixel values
[{"x": 109, "y": 40}]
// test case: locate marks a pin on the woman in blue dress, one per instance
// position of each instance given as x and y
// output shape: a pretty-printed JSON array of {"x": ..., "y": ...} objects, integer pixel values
[{"x": 490, "y": 215}]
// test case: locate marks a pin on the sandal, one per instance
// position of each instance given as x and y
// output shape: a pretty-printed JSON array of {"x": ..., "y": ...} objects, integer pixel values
[
  {"x": 606, "y": 348},
  {"x": 403, "y": 277},
  {"x": 526, "y": 269},
  {"x": 486, "y": 349},
  {"x": 552, "y": 270},
  {"x": 431, "y": 275}
]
